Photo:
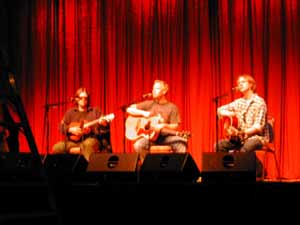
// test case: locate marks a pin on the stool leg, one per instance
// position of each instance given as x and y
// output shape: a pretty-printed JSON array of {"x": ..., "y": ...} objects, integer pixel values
[
  {"x": 277, "y": 166},
  {"x": 264, "y": 165}
]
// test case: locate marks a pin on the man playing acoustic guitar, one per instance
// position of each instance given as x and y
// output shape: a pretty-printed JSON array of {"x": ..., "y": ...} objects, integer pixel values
[
  {"x": 85, "y": 127},
  {"x": 245, "y": 120},
  {"x": 155, "y": 122}
]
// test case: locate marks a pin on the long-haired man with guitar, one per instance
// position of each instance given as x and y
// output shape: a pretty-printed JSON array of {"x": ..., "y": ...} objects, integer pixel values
[
  {"x": 85, "y": 127},
  {"x": 244, "y": 119},
  {"x": 155, "y": 121}
]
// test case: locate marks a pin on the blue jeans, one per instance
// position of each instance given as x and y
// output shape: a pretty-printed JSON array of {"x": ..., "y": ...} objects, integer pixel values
[
  {"x": 250, "y": 145},
  {"x": 178, "y": 144}
]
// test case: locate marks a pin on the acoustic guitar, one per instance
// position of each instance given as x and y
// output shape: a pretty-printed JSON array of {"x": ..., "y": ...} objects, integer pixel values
[
  {"x": 137, "y": 127},
  {"x": 85, "y": 126},
  {"x": 231, "y": 128}
]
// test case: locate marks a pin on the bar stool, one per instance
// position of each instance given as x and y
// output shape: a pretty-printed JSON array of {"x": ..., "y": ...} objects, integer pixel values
[
  {"x": 75, "y": 150},
  {"x": 156, "y": 149}
]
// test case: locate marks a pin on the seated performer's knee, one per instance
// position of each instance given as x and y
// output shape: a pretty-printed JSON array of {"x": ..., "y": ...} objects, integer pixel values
[
  {"x": 179, "y": 147},
  {"x": 59, "y": 148}
]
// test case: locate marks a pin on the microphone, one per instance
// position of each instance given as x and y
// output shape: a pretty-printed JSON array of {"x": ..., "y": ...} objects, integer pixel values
[
  {"x": 235, "y": 88},
  {"x": 147, "y": 95}
]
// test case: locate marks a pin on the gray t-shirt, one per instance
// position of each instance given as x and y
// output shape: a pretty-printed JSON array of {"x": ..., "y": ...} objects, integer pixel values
[{"x": 168, "y": 111}]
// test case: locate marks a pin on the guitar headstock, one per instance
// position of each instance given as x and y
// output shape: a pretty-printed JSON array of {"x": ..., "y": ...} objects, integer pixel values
[
  {"x": 184, "y": 134},
  {"x": 109, "y": 117}
]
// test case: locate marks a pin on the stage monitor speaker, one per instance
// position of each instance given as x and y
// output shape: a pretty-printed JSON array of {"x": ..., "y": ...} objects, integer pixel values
[
  {"x": 116, "y": 167},
  {"x": 222, "y": 167},
  {"x": 19, "y": 166},
  {"x": 60, "y": 165},
  {"x": 174, "y": 167}
]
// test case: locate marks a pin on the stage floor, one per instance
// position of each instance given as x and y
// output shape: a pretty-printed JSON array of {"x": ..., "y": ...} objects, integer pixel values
[{"x": 87, "y": 200}]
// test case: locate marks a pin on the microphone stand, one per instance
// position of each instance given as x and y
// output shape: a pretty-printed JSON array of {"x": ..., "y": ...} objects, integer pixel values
[
  {"x": 46, "y": 121},
  {"x": 217, "y": 100},
  {"x": 123, "y": 108}
]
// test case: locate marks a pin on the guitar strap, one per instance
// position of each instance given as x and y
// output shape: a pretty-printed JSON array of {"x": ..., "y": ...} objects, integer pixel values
[{"x": 246, "y": 110}]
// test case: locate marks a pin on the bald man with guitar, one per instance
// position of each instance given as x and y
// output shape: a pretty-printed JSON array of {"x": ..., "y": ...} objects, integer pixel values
[{"x": 155, "y": 121}]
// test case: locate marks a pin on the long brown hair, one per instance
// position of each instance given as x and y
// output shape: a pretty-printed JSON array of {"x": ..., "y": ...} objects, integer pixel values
[{"x": 78, "y": 92}]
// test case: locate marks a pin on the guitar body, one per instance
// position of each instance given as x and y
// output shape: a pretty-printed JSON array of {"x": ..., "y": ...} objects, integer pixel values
[
  {"x": 138, "y": 127},
  {"x": 230, "y": 124},
  {"x": 231, "y": 129},
  {"x": 86, "y": 126},
  {"x": 86, "y": 130}
]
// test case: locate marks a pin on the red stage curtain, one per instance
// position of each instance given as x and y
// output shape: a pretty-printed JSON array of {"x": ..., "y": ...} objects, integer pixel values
[{"x": 117, "y": 48}]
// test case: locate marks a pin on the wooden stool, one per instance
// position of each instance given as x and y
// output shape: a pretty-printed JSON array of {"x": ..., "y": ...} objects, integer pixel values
[
  {"x": 160, "y": 149},
  {"x": 75, "y": 150}
]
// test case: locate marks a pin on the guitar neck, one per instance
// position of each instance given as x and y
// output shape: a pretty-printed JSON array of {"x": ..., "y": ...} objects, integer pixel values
[
  {"x": 183, "y": 134},
  {"x": 91, "y": 123}
]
